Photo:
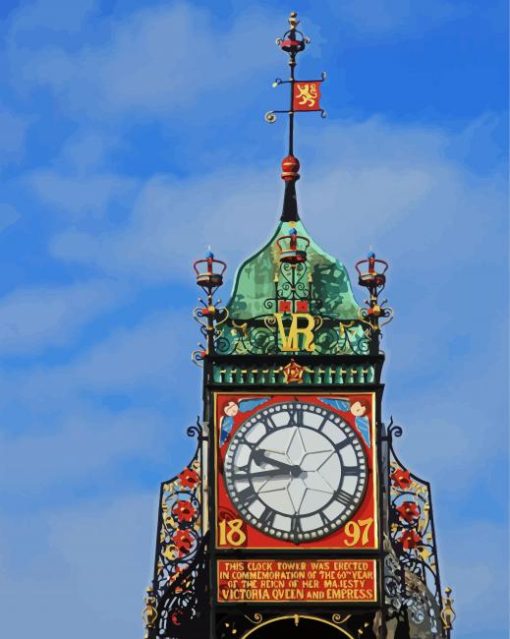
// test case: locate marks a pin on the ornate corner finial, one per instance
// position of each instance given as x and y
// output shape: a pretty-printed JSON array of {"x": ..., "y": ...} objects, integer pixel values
[
  {"x": 209, "y": 276},
  {"x": 372, "y": 276},
  {"x": 293, "y": 20},
  {"x": 448, "y": 613},
  {"x": 150, "y": 614}
]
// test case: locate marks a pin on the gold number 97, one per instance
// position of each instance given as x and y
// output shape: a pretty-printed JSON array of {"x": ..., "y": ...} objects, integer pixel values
[{"x": 358, "y": 530}]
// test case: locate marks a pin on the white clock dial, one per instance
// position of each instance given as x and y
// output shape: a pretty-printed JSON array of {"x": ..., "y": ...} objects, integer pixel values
[{"x": 296, "y": 471}]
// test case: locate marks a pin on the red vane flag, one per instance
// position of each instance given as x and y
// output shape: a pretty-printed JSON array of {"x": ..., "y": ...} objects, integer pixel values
[{"x": 306, "y": 96}]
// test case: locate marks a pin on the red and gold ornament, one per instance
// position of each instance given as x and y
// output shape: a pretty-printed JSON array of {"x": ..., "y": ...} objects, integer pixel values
[
  {"x": 409, "y": 511},
  {"x": 401, "y": 478},
  {"x": 189, "y": 478}
]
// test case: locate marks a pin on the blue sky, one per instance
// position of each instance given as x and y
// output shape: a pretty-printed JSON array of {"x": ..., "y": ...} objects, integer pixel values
[{"x": 132, "y": 137}]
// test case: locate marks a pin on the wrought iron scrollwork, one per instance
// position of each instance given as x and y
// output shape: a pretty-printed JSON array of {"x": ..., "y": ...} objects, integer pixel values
[
  {"x": 210, "y": 315},
  {"x": 182, "y": 610},
  {"x": 412, "y": 536},
  {"x": 393, "y": 582},
  {"x": 302, "y": 292},
  {"x": 261, "y": 336},
  {"x": 333, "y": 624},
  {"x": 293, "y": 287},
  {"x": 179, "y": 583}
]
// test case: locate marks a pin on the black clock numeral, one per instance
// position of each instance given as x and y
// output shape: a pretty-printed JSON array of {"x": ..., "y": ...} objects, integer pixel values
[
  {"x": 295, "y": 525},
  {"x": 352, "y": 471},
  {"x": 240, "y": 476},
  {"x": 325, "y": 421},
  {"x": 268, "y": 423},
  {"x": 268, "y": 516},
  {"x": 295, "y": 417},
  {"x": 345, "y": 442},
  {"x": 240, "y": 473},
  {"x": 343, "y": 497},
  {"x": 247, "y": 496},
  {"x": 324, "y": 519}
]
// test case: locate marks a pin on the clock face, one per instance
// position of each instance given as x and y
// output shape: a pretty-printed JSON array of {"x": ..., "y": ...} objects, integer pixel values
[{"x": 296, "y": 471}]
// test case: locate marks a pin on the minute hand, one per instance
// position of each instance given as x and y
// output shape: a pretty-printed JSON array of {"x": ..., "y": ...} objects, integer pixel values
[{"x": 273, "y": 472}]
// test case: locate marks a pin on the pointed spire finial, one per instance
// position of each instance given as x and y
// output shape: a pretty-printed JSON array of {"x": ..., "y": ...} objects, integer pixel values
[
  {"x": 304, "y": 96},
  {"x": 293, "y": 21},
  {"x": 290, "y": 175}
]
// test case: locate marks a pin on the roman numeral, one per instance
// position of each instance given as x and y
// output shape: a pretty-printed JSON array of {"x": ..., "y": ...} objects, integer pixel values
[
  {"x": 296, "y": 417},
  {"x": 268, "y": 423},
  {"x": 352, "y": 471},
  {"x": 345, "y": 442},
  {"x": 240, "y": 473},
  {"x": 268, "y": 516},
  {"x": 343, "y": 497},
  {"x": 247, "y": 496},
  {"x": 295, "y": 525},
  {"x": 324, "y": 519}
]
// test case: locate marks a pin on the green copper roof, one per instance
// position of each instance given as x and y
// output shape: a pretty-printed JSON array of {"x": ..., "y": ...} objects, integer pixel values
[{"x": 254, "y": 283}]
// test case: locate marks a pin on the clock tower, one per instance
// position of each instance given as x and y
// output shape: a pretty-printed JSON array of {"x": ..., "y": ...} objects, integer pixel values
[{"x": 295, "y": 516}]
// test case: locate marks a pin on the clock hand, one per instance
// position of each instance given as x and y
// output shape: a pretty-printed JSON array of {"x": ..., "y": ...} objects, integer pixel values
[
  {"x": 272, "y": 472},
  {"x": 260, "y": 457}
]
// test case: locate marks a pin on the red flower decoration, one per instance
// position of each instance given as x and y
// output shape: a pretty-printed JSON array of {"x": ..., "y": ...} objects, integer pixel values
[
  {"x": 183, "y": 541},
  {"x": 401, "y": 478},
  {"x": 409, "y": 539},
  {"x": 302, "y": 306},
  {"x": 183, "y": 510},
  {"x": 284, "y": 306},
  {"x": 175, "y": 617},
  {"x": 189, "y": 478},
  {"x": 409, "y": 511}
]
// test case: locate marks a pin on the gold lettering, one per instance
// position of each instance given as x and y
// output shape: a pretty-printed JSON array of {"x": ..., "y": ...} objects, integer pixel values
[{"x": 290, "y": 340}]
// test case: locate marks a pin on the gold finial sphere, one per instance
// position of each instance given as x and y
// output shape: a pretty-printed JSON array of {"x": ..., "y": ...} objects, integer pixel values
[{"x": 293, "y": 21}]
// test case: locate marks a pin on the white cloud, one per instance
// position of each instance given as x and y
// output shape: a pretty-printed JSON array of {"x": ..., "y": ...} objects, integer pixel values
[
  {"x": 173, "y": 222},
  {"x": 13, "y": 132},
  {"x": 149, "y": 362},
  {"x": 88, "y": 150},
  {"x": 80, "y": 195},
  {"x": 33, "y": 319},
  {"x": 361, "y": 178},
  {"x": 79, "y": 423},
  {"x": 387, "y": 17},
  {"x": 454, "y": 424},
  {"x": 90, "y": 565},
  {"x": 157, "y": 60},
  {"x": 87, "y": 445},
  {"x": 52, "y": 15},
  {"x": 147, "y": 355},
  {"x": 8, "y": 215},
  {"x": 475, "y": 564}
]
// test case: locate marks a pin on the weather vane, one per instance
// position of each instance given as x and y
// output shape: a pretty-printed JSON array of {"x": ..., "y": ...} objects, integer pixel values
[{"x": 304, "y": 94}]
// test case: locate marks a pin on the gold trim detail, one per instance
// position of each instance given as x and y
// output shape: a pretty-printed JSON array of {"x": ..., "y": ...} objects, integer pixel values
[
  {"x": 272, "y": 393},
  {"x": 296, "y": 619}
]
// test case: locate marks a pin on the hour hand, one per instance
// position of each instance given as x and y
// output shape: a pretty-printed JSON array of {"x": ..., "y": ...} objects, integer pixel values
[{"x": 261, "y": 457}]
